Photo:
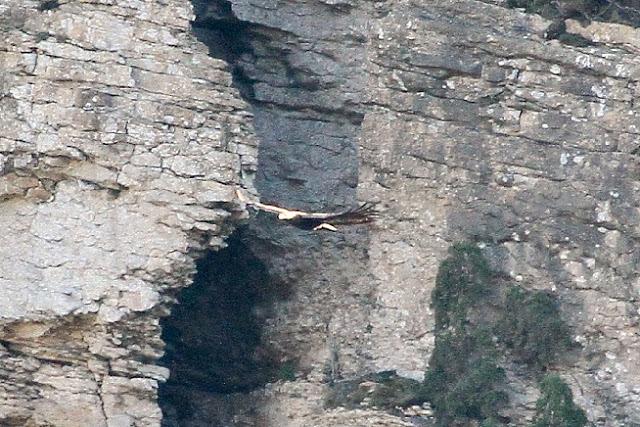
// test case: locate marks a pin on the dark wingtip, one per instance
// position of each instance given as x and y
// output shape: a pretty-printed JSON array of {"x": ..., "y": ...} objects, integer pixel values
[
  {"x": 366, "y": 212},
  {"x": 368, "y": 207}
]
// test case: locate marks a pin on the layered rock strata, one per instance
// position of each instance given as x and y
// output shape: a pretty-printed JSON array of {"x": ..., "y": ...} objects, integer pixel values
[
  {"x": 470, "y": 126},
  {"x": 458, "y": 117},
  {"x": 122, "y": 143}
]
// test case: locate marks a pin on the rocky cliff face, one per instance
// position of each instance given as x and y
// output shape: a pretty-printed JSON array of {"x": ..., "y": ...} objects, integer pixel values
[
  {"x": 122, "y": 142},
  {"x": 125, "y": 131},
  {"x": 528, "y": 147}
]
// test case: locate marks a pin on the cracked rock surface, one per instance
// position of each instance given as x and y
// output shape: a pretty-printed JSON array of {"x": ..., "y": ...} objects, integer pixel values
[
  {"x": 122, "y": 142},
  {"x": 123, "y": 138},
  {"x": 468, "y": 124},
  {"x": 529, "y": 147}
]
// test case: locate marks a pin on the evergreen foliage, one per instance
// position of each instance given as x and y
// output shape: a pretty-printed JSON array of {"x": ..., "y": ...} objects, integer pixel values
[
  {"x": 465, "y": 383},
  {"x": 532, "y": 327},
  {"x": 555, "y": 407},
  {"x": 287, "y": 371},
  {"x": 387, "y": 391},
  {"x": 462, "y": 279},
  {"x": 464, "y": 380}
]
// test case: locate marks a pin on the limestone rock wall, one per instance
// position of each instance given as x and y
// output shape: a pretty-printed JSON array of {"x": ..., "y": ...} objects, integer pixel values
[
  {"x": 469, "y": 125},
  {"x": 121, "y": 144},
  {"x": 529, "y": 147},
  {"x": 123, "y": 137}
]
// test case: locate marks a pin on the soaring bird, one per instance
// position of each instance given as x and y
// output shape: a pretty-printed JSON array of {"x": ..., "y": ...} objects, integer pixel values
[{"x": 316, "y": 220}]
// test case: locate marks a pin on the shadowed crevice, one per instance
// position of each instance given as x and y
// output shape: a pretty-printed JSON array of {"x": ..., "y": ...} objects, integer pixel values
[{"x": 214, "y": 334}]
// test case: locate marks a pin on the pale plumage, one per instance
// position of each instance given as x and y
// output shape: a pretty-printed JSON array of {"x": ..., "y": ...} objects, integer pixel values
[{"x": 316, "y": 220}]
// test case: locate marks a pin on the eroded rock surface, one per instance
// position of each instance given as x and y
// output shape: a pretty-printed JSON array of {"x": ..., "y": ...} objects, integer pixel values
[
  {"x": 124, "y": 140},
  {"x": 121, "y": 145},
  {"x": 529, "y": 147},
  {"x": 470, "y": 126}
]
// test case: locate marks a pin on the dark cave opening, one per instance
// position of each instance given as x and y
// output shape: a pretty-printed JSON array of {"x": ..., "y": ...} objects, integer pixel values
[{"x": 214, "y": 335}]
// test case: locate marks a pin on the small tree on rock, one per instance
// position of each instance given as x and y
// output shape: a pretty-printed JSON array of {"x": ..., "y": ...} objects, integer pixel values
[{"x": 555, "y": 407}]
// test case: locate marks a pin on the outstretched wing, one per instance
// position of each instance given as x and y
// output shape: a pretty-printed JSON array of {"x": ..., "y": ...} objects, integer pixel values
[
  {"x": 281, "y": 212},
  {"x": 361, "y": 214},
  {"x": 364, "y": 213}
]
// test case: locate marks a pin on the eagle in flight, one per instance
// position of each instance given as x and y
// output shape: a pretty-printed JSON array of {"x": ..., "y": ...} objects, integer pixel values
[{"x": 316, "y": 220}]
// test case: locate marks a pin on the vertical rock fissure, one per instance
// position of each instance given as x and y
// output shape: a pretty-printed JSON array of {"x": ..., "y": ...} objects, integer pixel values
[
  {"x": 303, "y": 95},
  {"x": 301, "y": 73}
]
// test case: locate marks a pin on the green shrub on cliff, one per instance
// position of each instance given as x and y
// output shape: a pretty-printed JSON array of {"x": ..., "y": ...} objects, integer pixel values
[
  {"x": 555, "y": 407},
  {"x": 462, "y": 279},
  {"x": 475, "y": 321},
  {"x": 532, "y": 328},
  {"x": 464, "y": 380},
  {"x": 286, "y": 371},
  {"x": 383, "y": 390},
  {"x": 473, "y": 325}
]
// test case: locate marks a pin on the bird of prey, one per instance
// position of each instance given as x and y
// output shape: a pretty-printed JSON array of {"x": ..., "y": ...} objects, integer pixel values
[{"x": 364, "y": 213}]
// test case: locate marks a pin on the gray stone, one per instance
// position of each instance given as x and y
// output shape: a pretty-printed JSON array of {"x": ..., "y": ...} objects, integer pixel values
[{"x": 123, "y": 142}]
